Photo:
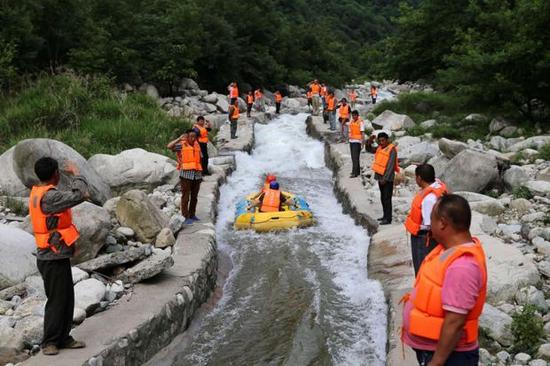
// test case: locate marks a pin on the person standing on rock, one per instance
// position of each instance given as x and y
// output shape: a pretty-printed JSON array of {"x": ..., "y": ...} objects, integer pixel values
[
  {"x": 373, "y": 93},
  {"x": 352, "y": 98},
  {"x": 55, "y": 236},
  {"x": 233, "y": 92},
  {"x": 344, "y": 112},
  {"x": 441, "y": 314},
  {"x": 315, "y": 90},
  {"x": 234, "y": 118},
  {"x": 309, "y": 100},
  {"x": 189, "y": 154},
  {"x": 278, "y": 100},
  {"x": 259, "y": 97},
  {"x": 356, "y": 141},
  {"x": 202, "y": 127},
  {"x": 384, "y": 166},
  {"x": 331, "y": 110},
  {"x": 249, "y": 102},
  {"x": 418, "y": 222},
  {"x": 324, "y": 95}
]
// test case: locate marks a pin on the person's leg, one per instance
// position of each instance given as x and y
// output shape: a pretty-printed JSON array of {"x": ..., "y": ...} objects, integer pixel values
[
  {"x": 355, "y": 151},
  {"x": 388, "y": 187},
  {"x": 204, "y": 159},
  {"x": 185, "y": 195},
  {"x": 52, "y": 273},
  {"x": 332, "y": 118},
  {"x": 195, "y": 186},
  {"x": 233, "y": 129},
  {"x": 423, "y": 357},
  {"x": 277, "y": 107},
  {"x": 66, "y": 277},
  {"x": 416, "y": 251},
  {"x": 248, "y": 109}
]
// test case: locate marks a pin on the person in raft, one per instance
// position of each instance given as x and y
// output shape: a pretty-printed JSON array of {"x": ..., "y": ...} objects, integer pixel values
[{"x": 271, "y": 199}]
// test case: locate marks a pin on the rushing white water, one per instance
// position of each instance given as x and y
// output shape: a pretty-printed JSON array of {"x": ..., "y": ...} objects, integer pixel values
[{"x": 301, "y": 297}]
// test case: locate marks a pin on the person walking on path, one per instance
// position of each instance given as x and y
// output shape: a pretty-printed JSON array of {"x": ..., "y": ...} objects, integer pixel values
[
  {"x": 373, "y": 93},
  {"x": 278, "y": 100},
  {"x": 234, "y": 118},
  {"x": 202, "y": 127},
  {"x": 188, "y": 154},
  {"x": 233, "y": 92},
  {"x": 356, "y": 141},
  {"x": 352, "y": 98},
  {"x": 56, "y": 236},
  {"x": 315, "y": 90},
  {"x": 418, "y": 222},
  {"x": 441, "y": 314},
  {"x": 384, "y": 166},
  {"x": 259, "y": 97},
  {"x": 249, "y": 103},
  {"x": 344, "y": 112},
  {"x": 331, "y": 110}
]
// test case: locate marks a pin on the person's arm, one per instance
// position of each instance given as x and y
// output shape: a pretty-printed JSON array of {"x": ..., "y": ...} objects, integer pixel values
[
  {"x": 390, "y": 167},
  {"x": 451, "y": 332},
  {"x": 56, "y": 201},
  {"x": 368, "y": 144},
  {"x": 172, "y": 144},
  {"x": 427, "y": 206}
]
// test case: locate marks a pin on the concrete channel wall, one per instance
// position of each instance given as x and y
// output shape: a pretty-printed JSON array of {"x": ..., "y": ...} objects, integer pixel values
[{"x": 142, "y": 324}]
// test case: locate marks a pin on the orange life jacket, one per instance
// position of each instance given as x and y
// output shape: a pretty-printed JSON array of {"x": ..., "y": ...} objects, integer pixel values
[
  {"x": 65, "y": 227},
  {"x": 258, "y": 94},
  {"x": 427, "y": 314},
  {"x": 414, "y": 220},
  {"x": 234, "y": 92},
  {"x": 352, "y": 96},
  {"x": 373, "y": 92},
  {"x": 236, "y": 114},
  {"x": 355, "y": 132},
  {"x": 381, "y": 159},
  {"x": 315, "y": 89},
  {"x": 331, "y": 103},
  {"x": 203, "y": 135},
  {"x": 278, "y": 97},
  {"x": 324, "y": 91},
  {"x": 271, "y": 201},
  {"x": 190, "y": 157},
  {"x": 249, "y": 99},
  {"x": 343, "y": 111}
]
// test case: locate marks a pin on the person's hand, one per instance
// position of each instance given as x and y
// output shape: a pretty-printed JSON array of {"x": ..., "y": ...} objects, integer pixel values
[
  {"x": 371, "y": 138},
  {"x": 70, "y": 168}
]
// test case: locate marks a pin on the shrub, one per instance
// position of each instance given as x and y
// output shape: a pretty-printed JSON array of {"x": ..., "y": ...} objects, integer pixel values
[
  {"x": 544, "y": 152},
  {"x": 527, "y": 328},
  {"x": 522, "y": 192},
  {"x": 416, "y": 131}
]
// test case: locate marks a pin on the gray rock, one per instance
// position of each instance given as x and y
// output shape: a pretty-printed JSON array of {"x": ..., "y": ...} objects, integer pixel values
[
  {"x": 538, "y": 187},
  {"x": 515, "y": 177},
  {"x": 503, "y": 356},
  {"x": 440, "y": 164},
  {"x": 136, "y": 211},
  {"x": 10, "y": 184},
  {"x": 498, "y": 143},
  {"x": 93, "y": 223},
  {"x": 544, "y": 268},
  {"x": 522, "y": 358},
  {"x": 497, "y": 325},
  {"x": 5, "y": 306},
  {"x": 212, "y": 150},
  {"x": 470, "y": 171},
  {"x": 16, "y": 259},
  {"x": 126, "y": 231},
  {"x": 429, "y": 123},
  {"x": 535, "y": 142},
  {"x": 10, "y": 339},
  {"x": 150, "y": 90},
  {"x": 88, "y": 294},
  {"x": 451, "y": 148},
  {"x": 79, "y": 275},
  {"x": 491, "y": 207},
  {"x": 544, "y": 174},
  {"x": 485, "y": 358},
  {"x": 488, "y": 225},
  {"x": 165, "y": 239},
  {"x": 509, "y": 230},
  {"x": 509, "y": 131},
  {"x": 542, "y": 246},
  {"x": 544, "y": 352},
  {"x": 535, "y": 216},
  {"x": 475, "y": 117},
  {"x": 79, "y": 315},
  {"x": 210, "y": 98},
  {"x": 389, "y": 120},
  {"x": 114, "y": 291},
  {"x": 531, "y": 296},
  {"x": 188, "y": 84},
  {"x": 31, "y": 329},
  {"x": 538, "y": 362},
  {"x": 149, "y": 267},
  {"x": 222, "y": 104},
  {"x": 418, "y": 153},
  {"x": 176, "y": 223},
  {"x": 116, "y": 259},
  {"x": 291, "y": 105},
  {"x": 110, "y": 205},
  {"x": 497, "y": 124},
  {"x": 521, "y": 205},
  {"x": 27, "y": 152}
]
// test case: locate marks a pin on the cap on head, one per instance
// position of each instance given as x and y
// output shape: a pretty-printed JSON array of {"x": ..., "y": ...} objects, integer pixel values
[
  {"x": 270, "y": 178},
  {"x": 274, "y": 185}
]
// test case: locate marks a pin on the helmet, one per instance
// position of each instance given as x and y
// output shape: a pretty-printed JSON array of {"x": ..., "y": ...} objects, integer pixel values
[
  {"x": 270, "y": 178},
  {"x": 274, "y": 185}
]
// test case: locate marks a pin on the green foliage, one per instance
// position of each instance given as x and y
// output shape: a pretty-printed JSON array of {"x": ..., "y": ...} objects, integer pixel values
[
  {"x": 416, "y": 131},
  {"x": 522, "y": 192},
  {"x": 15, "y": 204},
  {"x": 88, "y": 115},
  {"x": 527, "y": 328},
  {"x": 544, "y": 152}
]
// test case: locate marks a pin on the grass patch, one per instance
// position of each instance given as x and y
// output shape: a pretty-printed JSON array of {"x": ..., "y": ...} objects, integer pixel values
[
  {"x": 544, "y": 152},
  {"x": 87, "y": 114},
  {"x": 527, "y": 328},
  {"x": 522, "y": 192}
]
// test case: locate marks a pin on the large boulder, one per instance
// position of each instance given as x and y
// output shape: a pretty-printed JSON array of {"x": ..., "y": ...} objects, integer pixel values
[
  {"x": 470, "y": 171},
  {"x": 150, "y": 90},
  {"x": 93, "y": 223},
  {"x": 135, "y": 169},
  {"x": 497, "y": 325},
  {"x": 27, "y": 152},
  {"x": 497, "y": 124},
  {"x": 16, "y": 259},
  {"x": 418, "y": 153},
  {"x": 136, "y": 211},
  {"x": 498, "y": 143},
  {"x": 210, "y": 98},
  {"x": 440, "y": 164},
  {"x": 539, "y": 187},
  {"x": 294, "y": 91},
  {"x": 10, "y": 184},
  {"x": 291, "y": 105},
  {"x": 88, "y": 294},
  {"x": 188, "y": 84},
  {"x": 451, "y": 148},
  {"x": 535, "y": 142},
  {"x": 147, "y": 268},
  {"x": 483, "y": 204},
  {"x": 515, "y": 177},
  {"x": 389, "y": 120},
  {"x": 222, "y": 104}
]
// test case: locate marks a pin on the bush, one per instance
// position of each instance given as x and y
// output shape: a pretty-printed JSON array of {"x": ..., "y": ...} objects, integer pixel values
[
  {"x": 527, "y": 328},
  {"x": 416, "y": 131},
  {"x": 522, "y": 192},
  {"x": 544, "y": 152},
  {"x": 87, "y": 114}
]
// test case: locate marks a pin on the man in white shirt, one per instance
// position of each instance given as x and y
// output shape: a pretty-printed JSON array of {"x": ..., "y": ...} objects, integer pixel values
[
  {"x": 356, "y": 132},
  {"x": 418, "y": 222}
]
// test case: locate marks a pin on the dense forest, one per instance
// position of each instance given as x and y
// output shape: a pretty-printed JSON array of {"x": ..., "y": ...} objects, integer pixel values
[{"x": 488, "y": 52}]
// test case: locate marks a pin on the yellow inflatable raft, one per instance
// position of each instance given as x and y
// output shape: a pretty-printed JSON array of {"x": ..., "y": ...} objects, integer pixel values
[{"x": 297, "y": 215}]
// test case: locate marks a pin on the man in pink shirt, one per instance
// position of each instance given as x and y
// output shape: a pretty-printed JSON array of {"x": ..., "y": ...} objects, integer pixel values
[{"x": 440, "y": 318}]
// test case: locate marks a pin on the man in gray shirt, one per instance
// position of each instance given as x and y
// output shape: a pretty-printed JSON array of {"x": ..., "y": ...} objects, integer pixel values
[{"x": 55, "y": 236}]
